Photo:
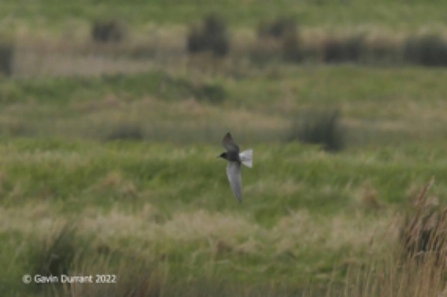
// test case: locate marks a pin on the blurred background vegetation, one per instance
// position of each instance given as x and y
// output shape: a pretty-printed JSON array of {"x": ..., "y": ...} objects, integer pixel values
[{"x": 112, "y": 115}]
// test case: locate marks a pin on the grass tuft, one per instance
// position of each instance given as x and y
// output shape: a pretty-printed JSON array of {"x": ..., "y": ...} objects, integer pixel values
[
  {"x": 427, "y": 50},
  {"x": 211, "y": 36},
  {"x": 6, "y": 58},
  {"x": 425, "y": 228},
  {"x": 56, "y": 255},
  {"x": 277, "y": 28},
  {"x": 211, "y": 93},
  {"x": 109, "y": 31},
  {"x": 339, "y": 50},
  {"x": 320, "y": 128},
  {"x": 414, "y": 265},
  {"x": 291, "y": 47}
]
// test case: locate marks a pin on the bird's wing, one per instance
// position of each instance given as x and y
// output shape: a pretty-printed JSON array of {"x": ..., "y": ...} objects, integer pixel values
[
  {"x": 234, "y": 177},
  {"x": 229, "y": 144}
]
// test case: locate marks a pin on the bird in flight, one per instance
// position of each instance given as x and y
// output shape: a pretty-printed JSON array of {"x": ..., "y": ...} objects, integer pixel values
[{"x": 235, "y": 159}]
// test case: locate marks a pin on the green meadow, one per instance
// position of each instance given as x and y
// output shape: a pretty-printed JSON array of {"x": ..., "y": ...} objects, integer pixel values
[
  {"x": 306, "y": 214},
  {"x": 316, "y": 13},
  {"x": 108, "y": 166}
]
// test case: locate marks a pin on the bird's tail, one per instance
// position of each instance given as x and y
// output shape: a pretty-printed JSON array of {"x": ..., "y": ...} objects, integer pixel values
[{"x": 247, "y": 158}]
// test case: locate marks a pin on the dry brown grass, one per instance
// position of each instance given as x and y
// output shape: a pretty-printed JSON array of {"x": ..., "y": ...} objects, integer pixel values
[
  {"x": 133, "y": 278},
  {"x": 32, "y": 64},
  {"x": 368, "y": 198},
  {"x": 393, "y": 278},
  {"x": 425, "y": 229},
  {"x": 161, "y": 120},
  {"x": 396, "y": 274},
  {"x": 165, "y": 47},
  {"x": 116, "y": 183},
  {"x": 415, "y": 265},
  {"x": 237, "y": 231}
]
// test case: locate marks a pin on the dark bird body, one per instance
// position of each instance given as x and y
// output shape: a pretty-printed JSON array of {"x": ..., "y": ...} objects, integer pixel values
[
  {"x": 231, "y": 156},
  {"x": 235, "y": 159}
]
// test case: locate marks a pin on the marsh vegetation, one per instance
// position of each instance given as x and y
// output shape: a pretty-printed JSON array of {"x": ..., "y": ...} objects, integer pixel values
[{"x": 111, "y": 118}]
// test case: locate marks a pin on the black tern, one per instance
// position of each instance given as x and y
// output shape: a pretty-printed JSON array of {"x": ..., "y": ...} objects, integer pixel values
[{"x": 235, "y": 159}]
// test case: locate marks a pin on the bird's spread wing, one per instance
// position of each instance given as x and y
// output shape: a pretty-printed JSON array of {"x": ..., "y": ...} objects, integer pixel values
[
  {"x": 234, "y": 177},
  {"x": 229, "y": 144}
]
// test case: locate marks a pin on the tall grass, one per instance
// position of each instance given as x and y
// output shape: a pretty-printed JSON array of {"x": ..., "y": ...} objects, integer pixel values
[
  {"x": 56, "y": 254},
  {"x": 109, "y": 31},
  {"x": 212, "y": 36},
  {"x": 302, "y": 215},
  {"x": 322, "y": 128},
  {"x": 338, "y": 50},
  {"x": 428, "y": 50},
  {"x": 416, "y": 265},
  {"x": 6, "y": 58},
  {"x": 166, "y": 50},
  {"x": 393, "y": 278}
]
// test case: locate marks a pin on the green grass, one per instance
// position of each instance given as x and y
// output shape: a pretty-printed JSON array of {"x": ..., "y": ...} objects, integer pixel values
[
  {"x": 164, "y": 202},
  {"x": 301, "y": 211},
  {"x": 377, "y": 105},
  {"x": 394, "y": 14},
  {"x": 158, "y": 211}
]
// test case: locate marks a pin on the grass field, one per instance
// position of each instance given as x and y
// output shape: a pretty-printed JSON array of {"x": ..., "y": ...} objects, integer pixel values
[
  {"x": 378, "y": 105},
  {"x": 108, "y": 163},
  {"x": 306, "y": 213},
  {"x": 393, "y": 14}
]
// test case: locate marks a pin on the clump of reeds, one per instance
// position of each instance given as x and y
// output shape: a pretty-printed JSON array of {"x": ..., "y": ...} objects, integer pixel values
[
  {"x": 277, "y": 28},
  {"x": 55, "y": 255},
  {"x": 348, "y": 49},
  {"x": 416, "y": 266},
  {"x": 109, "y": 30},
  {"x": 212, "y": 36},
  {"x": 319, "y": 128},
  {"x": 424, "y": 231},
  {"x": 278, "y": 37},
  {"x": 427, "y": 50},
  {"x": 6, "y": 58}
]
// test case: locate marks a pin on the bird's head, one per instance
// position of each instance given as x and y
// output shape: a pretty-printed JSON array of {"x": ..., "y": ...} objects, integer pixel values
[{"x": 223, "y": 155}]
